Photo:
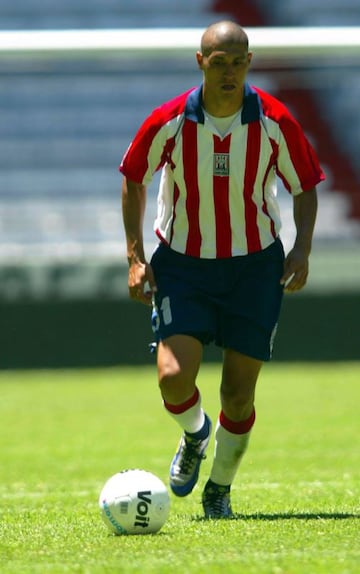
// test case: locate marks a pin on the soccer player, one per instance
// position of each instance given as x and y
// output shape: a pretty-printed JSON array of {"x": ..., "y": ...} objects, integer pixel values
[{"x": 219, "y": 271}]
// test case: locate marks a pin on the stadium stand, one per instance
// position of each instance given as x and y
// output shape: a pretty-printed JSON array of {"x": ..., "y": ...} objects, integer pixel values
[
  {"x": 329, "y": 95},
  {"x": 65, "y": 122},
  {"x": 311, "y": 12},
  {"x": 324, "y": 98},
  {"x": 91, "y": 14}
]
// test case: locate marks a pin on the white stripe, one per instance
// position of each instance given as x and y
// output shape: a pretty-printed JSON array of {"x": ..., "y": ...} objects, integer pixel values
[
  {"x": 207, "y": 223},
  {"x": 181, "y": 224},
  {"x": 164, "y": 217},
  {"x": 288, "y": 485},
  {"x": 245, "y": 485},
  {"x": 237, "y": 174},
  {"x": 23, "y": 495}
]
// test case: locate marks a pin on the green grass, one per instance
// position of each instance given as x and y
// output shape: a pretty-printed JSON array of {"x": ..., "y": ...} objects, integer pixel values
[{"x": 296, "y": 495}]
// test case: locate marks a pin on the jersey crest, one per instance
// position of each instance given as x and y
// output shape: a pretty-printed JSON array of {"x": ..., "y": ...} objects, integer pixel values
[{"x": 221, "y": 164}]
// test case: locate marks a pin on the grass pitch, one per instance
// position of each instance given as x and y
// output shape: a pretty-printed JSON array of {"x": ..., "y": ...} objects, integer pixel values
[{"x": 296, "y": 495}]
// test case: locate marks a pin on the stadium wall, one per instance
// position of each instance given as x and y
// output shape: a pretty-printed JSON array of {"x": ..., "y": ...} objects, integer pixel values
[{"x": 95, "y": 332}]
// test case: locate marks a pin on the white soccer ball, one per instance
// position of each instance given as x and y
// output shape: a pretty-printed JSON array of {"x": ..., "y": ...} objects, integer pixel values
[{"x": 134, "y": 502}]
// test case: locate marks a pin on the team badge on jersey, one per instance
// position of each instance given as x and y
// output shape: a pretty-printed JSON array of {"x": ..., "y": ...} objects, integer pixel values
[{"x": 221, "y": 164}]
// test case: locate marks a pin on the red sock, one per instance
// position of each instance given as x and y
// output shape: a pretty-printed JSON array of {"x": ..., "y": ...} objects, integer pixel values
[
  {"x": 189, "y": 415},
  {"x": 178, "y": 409},
  {"x": 241, "y": 427}
]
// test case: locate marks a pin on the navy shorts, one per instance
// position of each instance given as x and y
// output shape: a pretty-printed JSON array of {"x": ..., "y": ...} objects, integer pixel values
[{"x": 233, "y": 302}]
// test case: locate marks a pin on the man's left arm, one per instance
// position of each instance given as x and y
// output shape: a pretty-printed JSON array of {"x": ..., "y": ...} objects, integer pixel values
[{"x": 296, "y": 266}]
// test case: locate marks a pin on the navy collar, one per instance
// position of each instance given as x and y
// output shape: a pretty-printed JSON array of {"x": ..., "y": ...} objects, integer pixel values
[{"x": 251, "y": 110}]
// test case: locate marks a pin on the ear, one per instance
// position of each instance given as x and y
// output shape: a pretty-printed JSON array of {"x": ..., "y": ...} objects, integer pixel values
[{"x": 199, "y": 59}]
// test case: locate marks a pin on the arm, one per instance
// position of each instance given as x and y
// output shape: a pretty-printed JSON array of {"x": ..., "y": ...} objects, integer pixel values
[
  {"x": 140, "y": 272},
  {"x": 296, "y": 267}
]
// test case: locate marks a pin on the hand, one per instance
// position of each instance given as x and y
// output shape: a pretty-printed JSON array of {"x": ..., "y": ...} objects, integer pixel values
[
  {"x": 141, "y": 282},
  {"x": 296, "y": 270}
]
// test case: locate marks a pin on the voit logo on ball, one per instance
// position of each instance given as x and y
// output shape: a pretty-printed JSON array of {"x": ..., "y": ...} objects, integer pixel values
[
  {"x": 142, "y": 519},
  {"x": 134, "y": 502}
]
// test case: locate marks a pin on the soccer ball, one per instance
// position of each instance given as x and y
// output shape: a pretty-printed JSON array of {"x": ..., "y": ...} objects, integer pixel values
[{"x": 134, "y": 502}]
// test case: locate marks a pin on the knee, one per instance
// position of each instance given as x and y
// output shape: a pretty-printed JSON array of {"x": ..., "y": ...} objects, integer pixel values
[
  {"x": 176, "y": 385},
  {"x": 169, "y": 376},
  {"x": 178, "y": 361}
]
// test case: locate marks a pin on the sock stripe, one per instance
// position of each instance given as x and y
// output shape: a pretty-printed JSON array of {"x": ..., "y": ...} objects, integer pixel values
[
  {"x": 179, "y": 409},
  {"x": 234, "y": 427}
]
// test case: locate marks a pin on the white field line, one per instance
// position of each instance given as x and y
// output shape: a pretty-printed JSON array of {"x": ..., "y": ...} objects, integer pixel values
[{"x": 24, "y": 494}]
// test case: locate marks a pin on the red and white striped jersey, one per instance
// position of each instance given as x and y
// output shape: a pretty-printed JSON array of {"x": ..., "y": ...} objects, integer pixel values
[{"x": 217, "y": 195}]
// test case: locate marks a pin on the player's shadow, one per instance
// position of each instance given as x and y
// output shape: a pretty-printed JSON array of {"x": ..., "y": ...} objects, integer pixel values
[{"x": 289, "y": 516}]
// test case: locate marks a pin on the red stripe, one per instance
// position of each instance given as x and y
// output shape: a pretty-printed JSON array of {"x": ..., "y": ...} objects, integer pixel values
[
  {"x": 301, "y": 152},
  {"x": 221, "y": 202},
  {"x": 302, "y": 155},
  {"x": 251, "y": 167},
  {"x": 135, "y": 161},
  {"x": 158, "y": 233},
  {"x": 241, "y": 427},
  {"x": 179, "y": 409},
  {"x": 190, "y": 163}
]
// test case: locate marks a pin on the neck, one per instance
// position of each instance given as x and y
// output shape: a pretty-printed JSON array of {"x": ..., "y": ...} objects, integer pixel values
[{"x": 222, "y": 107}]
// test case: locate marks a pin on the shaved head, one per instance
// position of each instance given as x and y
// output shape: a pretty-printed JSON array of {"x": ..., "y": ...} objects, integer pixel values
[
  {"x": 225, "y": 33},
  {"x": 224, "y": 60}
]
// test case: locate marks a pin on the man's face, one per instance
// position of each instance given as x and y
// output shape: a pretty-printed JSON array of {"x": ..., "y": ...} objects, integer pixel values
[{"x": 225, "y": 69}]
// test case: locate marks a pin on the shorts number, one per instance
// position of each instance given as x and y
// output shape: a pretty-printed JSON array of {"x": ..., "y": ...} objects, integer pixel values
[{"x": 166, "y": 310}]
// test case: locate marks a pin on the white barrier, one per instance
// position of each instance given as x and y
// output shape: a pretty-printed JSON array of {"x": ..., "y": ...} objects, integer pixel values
[{"x": 267, "y": 43}]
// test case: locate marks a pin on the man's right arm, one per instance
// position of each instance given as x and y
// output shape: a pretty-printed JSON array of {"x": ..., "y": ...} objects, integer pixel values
[{"x": 140, "y": 272}]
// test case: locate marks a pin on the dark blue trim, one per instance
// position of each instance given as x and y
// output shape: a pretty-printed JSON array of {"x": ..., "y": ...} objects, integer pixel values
[
  {"x": 193, "y": 108},
  {"x": 251, "y": 111}
]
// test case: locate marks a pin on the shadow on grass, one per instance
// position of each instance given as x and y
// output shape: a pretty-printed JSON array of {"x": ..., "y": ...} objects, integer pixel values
[{"x": 290, "y": 516}]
